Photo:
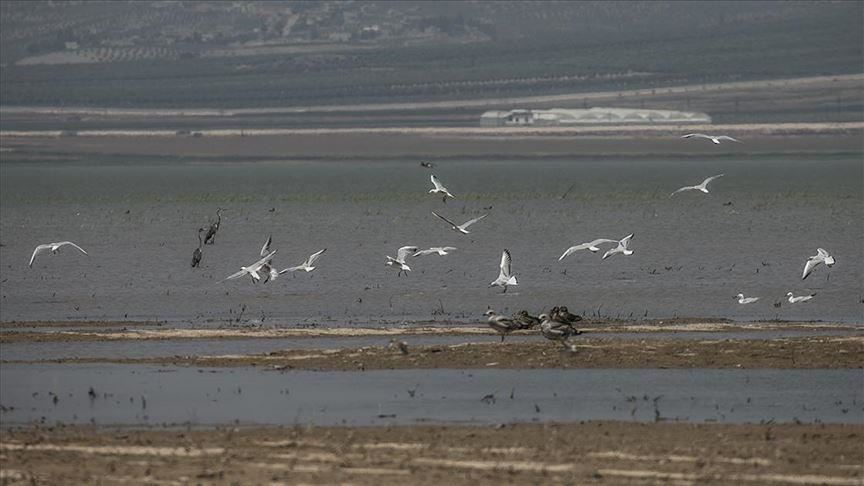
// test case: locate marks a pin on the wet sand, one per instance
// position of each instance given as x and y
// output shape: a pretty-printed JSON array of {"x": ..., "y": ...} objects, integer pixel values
[
  {"x": 597, "y": 347},
  {"x": 577, "y": 453}
]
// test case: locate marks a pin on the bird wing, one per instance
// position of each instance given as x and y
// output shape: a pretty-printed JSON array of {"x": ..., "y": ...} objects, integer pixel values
[
  {"x": 727, "y": 137},
  {"x": 437, "y": 183},
  {"x": 706, "y": 181},
  {"x": 404, "y": 251},
  {"x": 697, "y": 135},
  {"x": 237, "y": 274},
  {"x": 266, "y": 247},
  {"x": 471, "y": 221},
  {"x": 39, "y": 249},
  {"x": 425, "y": 252},
  {"x": 809, "y": 266},
  {"x": 505, "y": 265},
  {"x": 685, "y": 188},
  {"x": 626, "y": 240},
  {"x": 313, "y": 257},
  {"x": 612, "y": 251},
  {"x": 821, "y": 252},
  {"x": 451, "y": 223},
  {"x": 62, "y": 243},
  {"x": 571, "y": 250},
  {"x": 260, "y": 263}
]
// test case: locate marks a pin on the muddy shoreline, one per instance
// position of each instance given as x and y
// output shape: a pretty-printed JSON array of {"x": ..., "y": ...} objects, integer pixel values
[
  {"x": 593, "y": 452},
  {"x": 788, "y": 353}
]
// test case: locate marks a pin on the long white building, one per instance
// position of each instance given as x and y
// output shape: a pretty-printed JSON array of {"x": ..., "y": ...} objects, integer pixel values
[{"x": 592, "y": 116}]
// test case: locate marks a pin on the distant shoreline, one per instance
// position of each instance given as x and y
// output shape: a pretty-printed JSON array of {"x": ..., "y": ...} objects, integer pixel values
[{"x": 435, "y": 142}]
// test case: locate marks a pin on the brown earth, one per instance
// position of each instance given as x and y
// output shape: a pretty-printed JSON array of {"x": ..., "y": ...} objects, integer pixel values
[
  {"x": 787, "y": 353},
  {"x": 577, "y": 453}
]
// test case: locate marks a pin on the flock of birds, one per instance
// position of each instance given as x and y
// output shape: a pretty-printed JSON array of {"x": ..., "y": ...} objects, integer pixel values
[{"x": 556, "y": 325}]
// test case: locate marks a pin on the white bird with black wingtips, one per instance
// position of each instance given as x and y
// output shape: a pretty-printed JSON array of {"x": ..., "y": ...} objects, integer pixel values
[
  {"x": 52, "y": 247},
  {"x": 307, "y": 265},
  {"x": 714, "y": 138},
  {"x": 252, "y": 270},
  {"x": 821, "y": 256},
  {"x": 460, "y": 228},
  {"x": 698, "y": 187},
  {"x": 440, "y": 250},
  {"x": 592, "y": 246},
  {"x": 621, "y": 248},
  {"x": 439, "y": 189},
  {"x": 505, "y": 275},
  {"x": 399, "y": 261}
]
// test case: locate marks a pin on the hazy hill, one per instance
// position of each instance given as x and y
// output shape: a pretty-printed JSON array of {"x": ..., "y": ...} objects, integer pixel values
[{"x": 232, "y": 54}]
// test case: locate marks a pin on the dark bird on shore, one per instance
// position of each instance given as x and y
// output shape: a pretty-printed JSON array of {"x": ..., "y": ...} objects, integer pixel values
[
  {"x": 566, "y": 317},
  {"x": 525, "y": 320},
  {"x": 210, "y": 237},
  {"x": 197, "y": 253}
]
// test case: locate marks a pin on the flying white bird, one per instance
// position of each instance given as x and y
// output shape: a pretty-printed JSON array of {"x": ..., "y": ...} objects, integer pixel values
[
  {"x": 502, "y": 324},
  {"x": 621, "y": 248},
  {"x": 821, "y": 256},
  {"x": 306, "y": 265},
  {"x": 699, "y": 187},
  {"x": 586, "y": 246},
  {"x": 441, "y": 250},
  {"x": 745, "y": 300},
  {"x": 461, "y": 228},
  {"x": 399, "y": 261},
  {"x": 714, "y": 138},
  {"x": 252, "y": 270},
  {"x": 439, "y": 189},
  {"x": 53, "y": 247},
  {"x": 505, "y": 277},
  {"x": 800, "y": 298}
]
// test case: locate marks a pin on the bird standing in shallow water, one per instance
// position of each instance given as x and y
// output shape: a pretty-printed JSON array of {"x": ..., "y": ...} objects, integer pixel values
[
  {"x": 502, "y": 324},
  {"x": 197, "y": 253},
  {"x": 210, "y": 237}
]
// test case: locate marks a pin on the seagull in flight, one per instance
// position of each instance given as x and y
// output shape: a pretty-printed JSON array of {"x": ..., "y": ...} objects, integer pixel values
[
  {"x": 428, "y": 165},
  {"x": 505, "y": 277},
  {"x": 461, "y": 228},
  {"x": 586, "y": 246},
  {"x": 745, "y": 300},
  {"x": 439, "y": 189},
  {"x": 714, "y": 138},
  {"x": 252, "y": 270},
  {"x": 821, "y": 256},
  {"x": 53, "y": 247},
  {"x": 699, "y": 187},
  {"x": 800, "y": 298},
  {"x": 399, "y": 261},
  {"x": 441, "y": 250},
  {"x": 306, "y": 265},
  {"x": 621, "y": 248}
]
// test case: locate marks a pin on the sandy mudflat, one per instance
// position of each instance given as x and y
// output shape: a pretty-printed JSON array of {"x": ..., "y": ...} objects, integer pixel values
[{"x": 578, "y": 453}]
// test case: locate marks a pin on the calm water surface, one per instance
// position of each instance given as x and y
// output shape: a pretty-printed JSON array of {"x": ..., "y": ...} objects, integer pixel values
[{"x": 693, "y": 252}]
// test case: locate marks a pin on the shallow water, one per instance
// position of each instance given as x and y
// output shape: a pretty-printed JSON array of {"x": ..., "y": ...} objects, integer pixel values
[
  {"x": 752, "y": 234},
  {"x": 156, "y": 395}
]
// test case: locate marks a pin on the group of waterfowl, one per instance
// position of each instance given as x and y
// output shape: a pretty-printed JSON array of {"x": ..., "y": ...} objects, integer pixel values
[{"x": 556, "y": 325}]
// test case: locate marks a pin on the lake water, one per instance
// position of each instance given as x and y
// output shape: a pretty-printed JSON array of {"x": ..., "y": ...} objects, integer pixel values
[
  {"x": 693, "y": 252},
  {"x": 150, "y": 395}
]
